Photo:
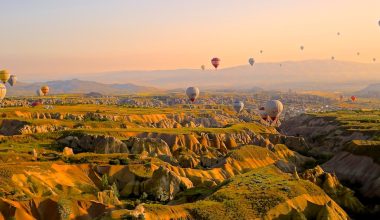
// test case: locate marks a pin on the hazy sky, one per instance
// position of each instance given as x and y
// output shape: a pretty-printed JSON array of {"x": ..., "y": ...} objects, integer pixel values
[{"x": 82, "y": 36}]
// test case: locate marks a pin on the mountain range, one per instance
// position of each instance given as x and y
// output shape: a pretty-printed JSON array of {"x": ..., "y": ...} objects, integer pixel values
[
  {"x": 327, "y": 75},
  {"x": 76, "y": 86}
]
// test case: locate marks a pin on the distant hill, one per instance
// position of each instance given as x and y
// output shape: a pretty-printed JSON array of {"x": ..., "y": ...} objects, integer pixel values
[
  {"x": 76, "y": 86},
  {"x": 301, "y": 75},
  {"x": 372, "y": 90}
]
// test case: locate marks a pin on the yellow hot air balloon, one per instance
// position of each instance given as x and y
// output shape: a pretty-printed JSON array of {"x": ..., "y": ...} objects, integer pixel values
[
  {"x": 45, "y": 90},
  {"x": 4, "y": 76},
  {"x": 3, "y": 91}
]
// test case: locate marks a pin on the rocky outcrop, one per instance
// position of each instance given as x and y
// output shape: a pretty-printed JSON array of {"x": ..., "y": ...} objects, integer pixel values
[
  {"x": 356, "y": 169},
  {"x": 331, "y": 185},
  {"x": 165, "y": 184},
  {"x": 153, "y": 146},
  {"x": 94, "y": 143},
  {"x": 16, "y": 127}
]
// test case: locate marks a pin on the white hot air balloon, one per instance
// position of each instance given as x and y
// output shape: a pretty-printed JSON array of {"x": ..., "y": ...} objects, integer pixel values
[
  {"x": 251, "y": 61},
  {"x": 3, "y": 91},
  {"x": 274, "y": 108},
  {"x": 238, "y": 106},
  {"x": 192, "y": 93},
  {"x": 263, "y": 113},
  {"x": 12, "y": 80},
  {"x": 39, "y": 92}
]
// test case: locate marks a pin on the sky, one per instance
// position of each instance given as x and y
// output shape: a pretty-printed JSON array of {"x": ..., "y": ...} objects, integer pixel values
[{"x": 57, "y": 37}]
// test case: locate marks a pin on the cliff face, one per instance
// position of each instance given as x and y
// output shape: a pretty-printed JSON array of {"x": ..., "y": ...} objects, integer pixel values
[{"x": 347, "y": 143}]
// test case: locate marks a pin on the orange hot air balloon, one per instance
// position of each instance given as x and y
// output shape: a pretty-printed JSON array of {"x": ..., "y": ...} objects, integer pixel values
[
  {"x": 215, "y": 62},
  {"x": 353, "y": 98},
  {"x": 45, "y": 90}
]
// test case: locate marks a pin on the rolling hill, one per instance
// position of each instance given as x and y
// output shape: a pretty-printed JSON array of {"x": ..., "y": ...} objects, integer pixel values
[
  {"x": 302, "y": 75},
  {"x": 78, "y": 87}
]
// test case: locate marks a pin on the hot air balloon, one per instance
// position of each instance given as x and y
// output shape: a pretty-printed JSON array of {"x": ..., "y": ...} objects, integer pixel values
[
  {"x": 353, "y": 98},
  {"x": 215, "y": 62},
  {"x": 263, "y": 113},
  {"x": 301, "y": 47},
  {"x": 3, "y": 91},
  {"x": 274, "y": 108},
  {"x": 39, "y": 92},
  {"x": 341, "y": 97},
  {"x": 45, "y": 90},
  {"x": 251, "y": 61},
  {"x": 261, "y": 51},
  {"x": 4, "y": 76},
  {"x": 238, "y": 106},
  {"x": 333, "y": 58},
  {"x": 338, "y": 33},
  {"x": 36, "y": 103},
  {"x": 12, "y": 80},
  {"x": 192, "y": 93},
  {"x": 374, "y": 59},
  {"x": 357, "y": 53},
  {"x": 203, "y": 67}
]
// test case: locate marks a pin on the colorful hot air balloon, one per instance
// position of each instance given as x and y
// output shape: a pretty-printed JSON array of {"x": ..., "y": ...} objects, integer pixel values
[
  {"x": 251, "y": 61},
  {"x": 274, "y": 108},
  {"x": 4, "y": 76},
  {"x": 203, "y": 67},
  {"x": 263, "y": 113},
  {"x": 45, "y": 90},
  {"x": 353, "y": 98},
  {"x": 3, "y": 91},
  {"x": 238, "y": 106},
  {"x": 12, "y": 80},
  {"x": 215, "y": 62},
  {"x": 192, "y": 93}
]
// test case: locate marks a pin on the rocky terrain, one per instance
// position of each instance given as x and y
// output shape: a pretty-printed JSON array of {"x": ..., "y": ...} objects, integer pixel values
[
  {"x": 348, "y": 144},
  {"x": 117, "y": 162}
]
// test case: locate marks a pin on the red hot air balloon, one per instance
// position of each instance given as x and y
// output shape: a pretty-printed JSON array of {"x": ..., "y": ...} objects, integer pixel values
[
  {"x": 215, "y": 62},
  {"x": 353, "y": 98}
]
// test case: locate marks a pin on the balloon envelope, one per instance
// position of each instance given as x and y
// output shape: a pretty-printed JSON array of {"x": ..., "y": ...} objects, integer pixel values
[
  {"x": 45, "y": 90},
  {"x": 251, "y": 61},
  {"x": 3, "y": 91},
  {"x": 12, "y": 80},
  {"x": 215, "y": 62},
  {"x": 301, "y": 47},
  {"x": 238, "y": 106},
  {"x": 353, "y": 98},
  {"x": 4, "y": 76},
  {"x": 39, "y": 92},
  {"x": 263, "y": 113},
  {"x": 274, "y": 108},
  {"x": 203, "y": 67},
  {"x": 192, "y": 93}
]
